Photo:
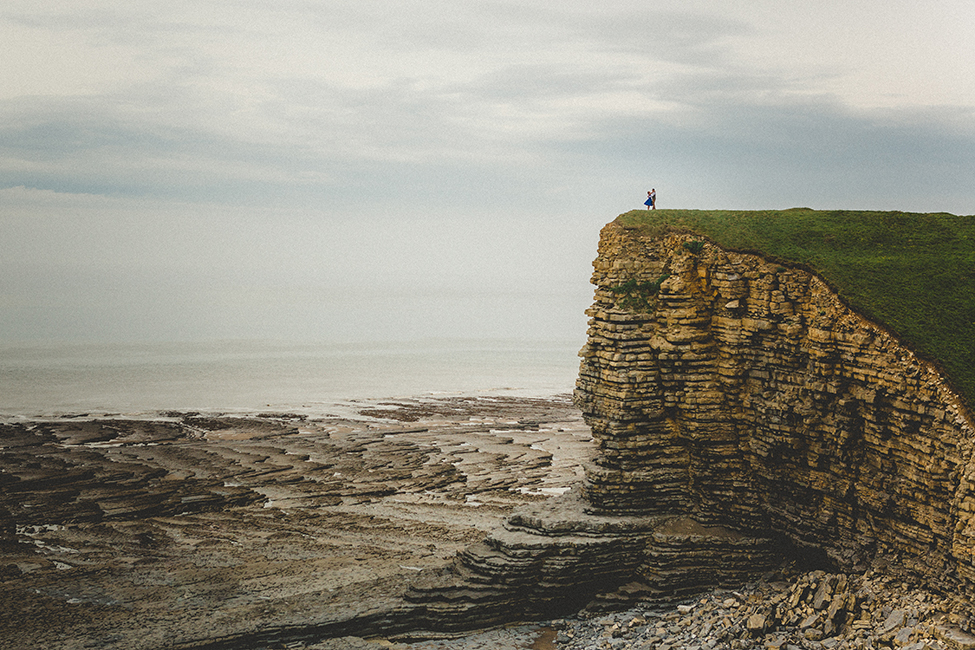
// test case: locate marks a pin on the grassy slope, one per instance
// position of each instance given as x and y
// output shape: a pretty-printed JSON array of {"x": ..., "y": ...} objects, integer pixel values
[{"x": 915, "y": 273}]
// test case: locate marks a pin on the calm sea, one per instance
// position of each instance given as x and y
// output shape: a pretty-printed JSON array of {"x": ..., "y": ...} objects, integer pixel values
[{"x": 135, "y": 379}]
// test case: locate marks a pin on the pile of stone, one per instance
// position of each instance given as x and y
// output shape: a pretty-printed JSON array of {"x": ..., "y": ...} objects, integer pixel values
[{"x": 811, "y": 610}]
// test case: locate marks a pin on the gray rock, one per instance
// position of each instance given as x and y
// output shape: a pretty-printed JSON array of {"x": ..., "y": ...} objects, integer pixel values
[
  {"x": 809, "y": 621},
  {"x": 823, "y": 594},
  {"x": 894, "y": 621},
  {"x": 955, "y": 638},
  {"x": 903, "y": 636}
]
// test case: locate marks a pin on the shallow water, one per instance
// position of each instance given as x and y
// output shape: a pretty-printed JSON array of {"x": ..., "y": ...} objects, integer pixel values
[{"x": 231, "y": 376}]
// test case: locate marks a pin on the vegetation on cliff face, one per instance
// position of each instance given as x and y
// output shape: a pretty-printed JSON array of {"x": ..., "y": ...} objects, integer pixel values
[{"x": 915, "y": 273}]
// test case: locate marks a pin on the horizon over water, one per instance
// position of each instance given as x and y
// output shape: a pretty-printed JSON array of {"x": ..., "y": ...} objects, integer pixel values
[{"x": 137, "y": 379}]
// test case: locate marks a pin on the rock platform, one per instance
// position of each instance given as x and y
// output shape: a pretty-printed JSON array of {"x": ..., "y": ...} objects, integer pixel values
[{"x": 214, "y": 530}]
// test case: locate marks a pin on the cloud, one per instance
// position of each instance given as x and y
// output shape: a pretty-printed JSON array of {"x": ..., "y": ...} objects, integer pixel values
[
  {"x": 311, "y": 156},
  {"x": 799, "y": 153},
  {"x": 308, "y": 103}
]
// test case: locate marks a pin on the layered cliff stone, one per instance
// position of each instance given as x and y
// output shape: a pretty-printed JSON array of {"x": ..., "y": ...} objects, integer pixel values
[
  {"x": 741, "y": 392},
  {"x": 557, "y": 557}
]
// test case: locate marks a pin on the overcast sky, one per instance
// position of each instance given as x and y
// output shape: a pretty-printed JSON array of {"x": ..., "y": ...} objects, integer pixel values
[{"x": 325, "y": 170}]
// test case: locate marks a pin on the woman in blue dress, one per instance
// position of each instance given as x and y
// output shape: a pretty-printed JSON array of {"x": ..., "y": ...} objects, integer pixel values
[{"x": 651, "y": 200}]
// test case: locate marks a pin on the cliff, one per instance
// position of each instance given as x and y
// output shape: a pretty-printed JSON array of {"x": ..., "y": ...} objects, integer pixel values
[
  {"x": 741, "y": 392},
  {"x": 745, "y": 417}
]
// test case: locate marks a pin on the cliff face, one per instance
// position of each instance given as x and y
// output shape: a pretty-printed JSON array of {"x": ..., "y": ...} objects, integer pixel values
[{"x": 728, "y": 388}]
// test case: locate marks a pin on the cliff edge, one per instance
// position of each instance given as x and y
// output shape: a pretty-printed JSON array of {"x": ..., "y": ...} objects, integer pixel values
[{"x": 741, "y": 392}]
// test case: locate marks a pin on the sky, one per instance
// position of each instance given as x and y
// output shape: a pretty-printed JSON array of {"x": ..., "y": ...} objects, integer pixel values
[{"x": 302, "y": 170}]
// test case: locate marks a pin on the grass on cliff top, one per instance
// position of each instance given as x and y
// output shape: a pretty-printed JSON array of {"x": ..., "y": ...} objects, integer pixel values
[{"x": 915, "y": 273}]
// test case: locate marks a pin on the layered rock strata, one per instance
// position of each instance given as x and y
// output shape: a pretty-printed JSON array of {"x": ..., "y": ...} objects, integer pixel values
[
  {"x": 741, "y": 413},
  {"x": 744, "y": 393},
  {"x": 555, "y": 558}
]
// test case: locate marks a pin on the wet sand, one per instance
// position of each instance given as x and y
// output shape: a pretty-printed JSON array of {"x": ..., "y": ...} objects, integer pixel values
[{"x": 184, "y": 528}]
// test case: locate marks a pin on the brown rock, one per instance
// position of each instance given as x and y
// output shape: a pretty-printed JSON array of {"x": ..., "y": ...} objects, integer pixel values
[
  {"x": 756, "y": 624},
  {"x": 792, "y": 412}
]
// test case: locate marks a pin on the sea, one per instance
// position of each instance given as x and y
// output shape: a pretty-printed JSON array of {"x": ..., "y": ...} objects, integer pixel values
[{"x": 42, "y": 380}]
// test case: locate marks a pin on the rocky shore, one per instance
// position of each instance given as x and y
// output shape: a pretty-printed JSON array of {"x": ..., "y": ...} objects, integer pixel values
[
  {"x": 188, "y": 530},
  {"x": 193, "y": 529},
  {"x": 810, "y": 610},
  {"x": 789, "y": 609}
]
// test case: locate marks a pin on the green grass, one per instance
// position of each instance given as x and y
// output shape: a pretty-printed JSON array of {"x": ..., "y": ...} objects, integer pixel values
[{"x": 915, "y": 273}]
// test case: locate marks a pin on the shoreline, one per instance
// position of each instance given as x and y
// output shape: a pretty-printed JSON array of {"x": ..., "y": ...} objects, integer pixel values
[
  {"x": 213, "y": 530},
  {"x": 339, "y": 408}
]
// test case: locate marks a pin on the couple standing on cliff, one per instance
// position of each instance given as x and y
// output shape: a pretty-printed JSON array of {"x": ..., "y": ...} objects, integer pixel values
[{"x": 651, "y": 201}]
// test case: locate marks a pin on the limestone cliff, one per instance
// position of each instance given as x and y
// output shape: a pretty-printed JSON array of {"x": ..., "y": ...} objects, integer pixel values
[{"x": 740, "y": 392}]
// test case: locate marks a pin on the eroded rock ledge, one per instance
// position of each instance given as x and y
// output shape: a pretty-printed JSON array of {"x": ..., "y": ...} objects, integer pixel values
[{"x": 746, "y": 394}]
